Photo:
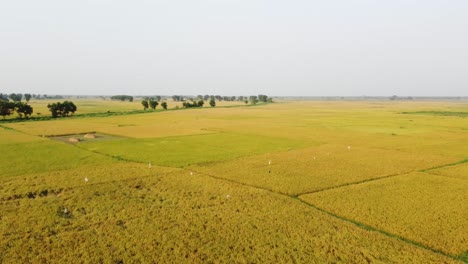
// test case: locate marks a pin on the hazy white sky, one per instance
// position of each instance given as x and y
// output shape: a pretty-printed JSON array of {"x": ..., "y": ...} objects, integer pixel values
[{"x": 234, "y": 47}]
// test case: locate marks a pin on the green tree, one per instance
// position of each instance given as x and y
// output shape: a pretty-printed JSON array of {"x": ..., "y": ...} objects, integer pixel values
[
  {"x": 212, "y": 103},
  {"x": 152, "y": 104},
  {"x": 164, "y": 105},
  {"x": 16, "y": 97},
  {"x": 145, "y": 104},
  {"x": 27, "y": 97},
  {"x": 253, "y": 99},
  {"x": 158, "y": 98},
  {"x": 6, "y": 108},
  {"x": 54, "y": 109},
  {"x": 23, "y": 109},
  {"x": 177, "y": 98},
  {"x": 122, "y": 98},
  {"x": 62, "y": 109},
  {"x": 3, "y": 97},
  {"x": 200, "y": 103},
  {"x": 262, "y": 98},
  {"x": 69, "y": 108}
]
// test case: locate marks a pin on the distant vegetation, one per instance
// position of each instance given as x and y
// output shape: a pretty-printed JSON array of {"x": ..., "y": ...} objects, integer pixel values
[
  {"x": 8, "y": 107},
  {"x": 62, "y": 109},
  {"x": 122, "y": 98},
  {"x": 187, "y": 104},
  {"x": 22, "y": 109},
  {"x": 152, "y": 103}
]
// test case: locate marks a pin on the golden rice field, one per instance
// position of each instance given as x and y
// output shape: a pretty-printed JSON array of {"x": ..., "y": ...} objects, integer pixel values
[{"x": 288, "y": 182}]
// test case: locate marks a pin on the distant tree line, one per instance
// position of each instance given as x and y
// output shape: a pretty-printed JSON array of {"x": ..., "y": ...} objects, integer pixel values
[
  {"x": 12, "y": 103},
  {"x": 122, "y": 98},
  {"x": 187, "y": 104},
  {"x": 394, "y": 97},
  {"x": 17, "y": 97},
  {"x": 152, "y": 103},
  {"x": 246, "y": 99}
]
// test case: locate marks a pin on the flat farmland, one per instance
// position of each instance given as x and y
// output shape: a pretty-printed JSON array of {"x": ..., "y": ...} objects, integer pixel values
[
  {"x": 312, "y": 169},
  {"x": 285, "y": 182},
  {"x": 418, "y": 206}
]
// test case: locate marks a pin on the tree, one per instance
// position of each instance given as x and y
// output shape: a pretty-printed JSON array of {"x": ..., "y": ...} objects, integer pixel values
[
  {"x": 122, "y": 98},
  {"x": 212, "y": 103},
  {"x": 69, "y": 107},
  {"x": 253, "y": 99},
  {"x": 54, "y": 109},
  {"x": 152, "y": 104},
  {"x": 177, "y": 98},
  {"x": 62, "y": 109},
  {"x": 145, "y": 104},
  {"x": 6, "y": 108},
  {"x": 3, "y": 97},
  {"x": 262, "y": 98},
  {"x": 158, "y": 98},
  {"x": 164, "y": 105},
  {"x": 16, "y": 97},
  {"x": 187, "y": 104},
  {"x": 27, "y": 97},
  {"x": 23, "y": 109}
]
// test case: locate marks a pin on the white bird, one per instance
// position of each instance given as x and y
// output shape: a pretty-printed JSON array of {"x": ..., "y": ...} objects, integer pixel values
[
  {"x": 149, "y": 165},
  {"x": 191, "y": 173},
  {"x": 65, "y": 210},
  {"x": 228, "y": 196},
  {"x": 269, "y": 162},
  {"x": 349, "y": 147},
  {"x": 86, "y": 179}
]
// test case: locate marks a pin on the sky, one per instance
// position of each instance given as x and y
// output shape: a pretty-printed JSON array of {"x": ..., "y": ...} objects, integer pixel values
[{"x": 235, "y": 47}]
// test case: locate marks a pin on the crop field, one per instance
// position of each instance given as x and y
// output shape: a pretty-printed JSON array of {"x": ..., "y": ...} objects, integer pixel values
[
  {"x": 285, "y": 182},
  {"x": 418, "y": 206}
]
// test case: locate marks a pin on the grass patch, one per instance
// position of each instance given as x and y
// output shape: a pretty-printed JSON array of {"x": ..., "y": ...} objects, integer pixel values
[
  {"x": 186, "y": 150},
  {"x": 42, "y": 156}
]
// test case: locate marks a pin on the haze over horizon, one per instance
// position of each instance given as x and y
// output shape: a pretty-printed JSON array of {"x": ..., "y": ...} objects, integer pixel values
[{"x": 278, "y": 48}]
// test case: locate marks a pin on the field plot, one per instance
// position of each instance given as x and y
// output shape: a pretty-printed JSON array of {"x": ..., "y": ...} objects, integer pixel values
[
  {"x": 59, "y": 181},
  {"x": 316, "y": 168},
  {"x": 9, "y": 136},
  {"x": 186, "y": 150},
  {"x": 148, "y": 125},
  {"x": 429, "y": 209},
  {"x": 86, "y": 137},
  {"x": 177, "y": 217},
  {"x": 43, "y": 156}
]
